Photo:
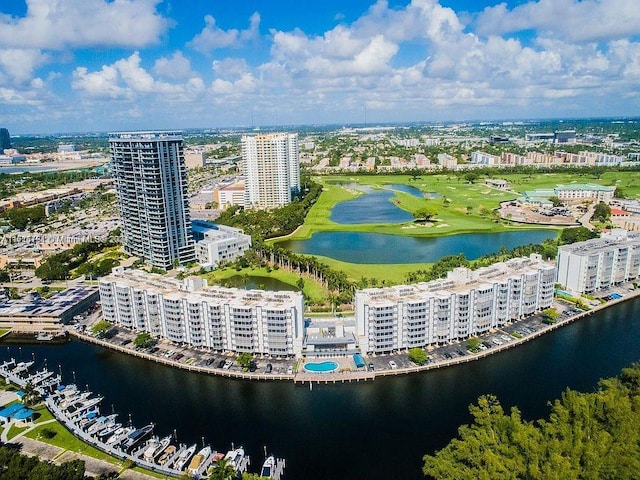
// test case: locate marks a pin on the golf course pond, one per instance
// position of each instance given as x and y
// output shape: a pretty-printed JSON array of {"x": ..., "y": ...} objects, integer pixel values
[{"x": 365, "y": 247}]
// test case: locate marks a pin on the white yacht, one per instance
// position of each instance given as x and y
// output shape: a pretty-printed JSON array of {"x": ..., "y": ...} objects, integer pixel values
[
  {"x": 184, "y": 458},
  {"x": 198, "y": 459},
  {"x": 154, "y": 447},
  {"x": 235, "y": 457},
  {"x": 268, "y": 467}
]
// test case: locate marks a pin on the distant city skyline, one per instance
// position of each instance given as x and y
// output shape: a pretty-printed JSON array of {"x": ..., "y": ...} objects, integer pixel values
[{"x": 96, "y": 65}]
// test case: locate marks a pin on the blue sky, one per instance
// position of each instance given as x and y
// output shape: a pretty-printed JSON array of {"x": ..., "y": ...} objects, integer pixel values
[{"x": 96, "y": 65}]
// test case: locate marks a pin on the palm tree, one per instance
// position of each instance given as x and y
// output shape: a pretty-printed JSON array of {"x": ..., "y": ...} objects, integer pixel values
[
  {"x": 223, "y": 470},
  {"x": 31, "y": 396}
]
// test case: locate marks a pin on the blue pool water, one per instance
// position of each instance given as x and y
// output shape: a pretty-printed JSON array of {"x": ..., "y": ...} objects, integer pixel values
[{"x": 322, "y": 367}]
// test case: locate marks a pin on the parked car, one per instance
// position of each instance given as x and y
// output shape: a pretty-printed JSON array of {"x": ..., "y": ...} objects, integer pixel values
[
  {"x": 253, "y": 366},
  {"x": 227, "y": 364},
  {"x": 290, "y": 370},
  {"x": 372, "y": 367},
  {"x": 269, "y": 368},
  {"x": 221, "y": 364},
  {"x": 393, "y": 364}
]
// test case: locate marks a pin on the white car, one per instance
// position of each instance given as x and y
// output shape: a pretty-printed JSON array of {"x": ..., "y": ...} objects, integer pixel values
[
  {"x": 290, "y": 370},
  {"x": 227, "y": 364},
  {"x": 496, "y": 341},
  {"x": 393, "y": 364},
  {"x": 506, "y": 338}
]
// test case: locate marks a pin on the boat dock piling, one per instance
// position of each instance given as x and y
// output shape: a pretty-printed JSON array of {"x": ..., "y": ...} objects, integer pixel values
[
  {"x": 71, "y": 406},
  {"x": 278, "y": 469}
]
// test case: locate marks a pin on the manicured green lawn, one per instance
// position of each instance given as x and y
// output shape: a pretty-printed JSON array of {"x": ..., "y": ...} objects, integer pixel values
[
  {"x": 64, "y": 439},
  {"x": 3, "y": 331},
  {"x": 313, "y": 290},
  {"x": 13, "y": 431},
  {"x": 459, "y": 207}
]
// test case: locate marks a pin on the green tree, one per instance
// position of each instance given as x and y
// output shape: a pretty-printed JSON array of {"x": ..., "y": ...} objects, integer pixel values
[
  {"x": 101, "y": 327},
  {"x": 471, "y": 177},
  {"x": 576, "y": 234},
  {"x": 143, "y": 340},
  {"x": 602, "y": 212},
  {"x": 244, "y": 359},
  {"x": 552, "y": 315},
  {"x": 31, "y": 396},
  {"x": 555, "y": 201},
  {"x": 592, "y": 435},
  {"x": 473, "y": 344},
  {"x": 418, "y": 356},
  {"x": 222, "y": 470},
  {"x": 300, "y": 283},
  {"x": 424, "y": 214}
]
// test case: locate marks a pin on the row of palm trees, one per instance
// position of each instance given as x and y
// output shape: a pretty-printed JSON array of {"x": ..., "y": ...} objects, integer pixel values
[{"x": 336, "y": 282}]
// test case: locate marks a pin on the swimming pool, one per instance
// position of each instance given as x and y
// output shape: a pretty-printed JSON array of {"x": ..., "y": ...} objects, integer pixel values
[{"x": 321, "y": 367}]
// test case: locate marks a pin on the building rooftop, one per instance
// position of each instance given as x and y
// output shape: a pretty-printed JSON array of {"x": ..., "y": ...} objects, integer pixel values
[
  {"x": 460, "y": 280},
  {"x": 617, "y": 238},
  {"x": 146, "y": 135},
  {"x": 53, "y": 307},
  {"x": 196, "y": 289},
  {"x": 586, "y": 186}
]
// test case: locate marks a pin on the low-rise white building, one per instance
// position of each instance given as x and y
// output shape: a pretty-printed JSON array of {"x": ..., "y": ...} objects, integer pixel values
[
  {"x": 589, "y": 266},
  {"x": 229, "y": 194},
  {"x": 218, "y": 243},
  {"x": 194, "y": 313},
  {"x": 465, "y": 304}
]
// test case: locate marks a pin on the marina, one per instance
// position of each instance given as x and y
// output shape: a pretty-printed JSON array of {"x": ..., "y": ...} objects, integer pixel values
[{"x": 79, "y": 412}]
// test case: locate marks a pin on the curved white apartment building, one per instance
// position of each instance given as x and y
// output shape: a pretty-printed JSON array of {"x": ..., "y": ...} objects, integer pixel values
[
  {"x": 465, "y": 304},
  {"x": 191, "y": 312}
]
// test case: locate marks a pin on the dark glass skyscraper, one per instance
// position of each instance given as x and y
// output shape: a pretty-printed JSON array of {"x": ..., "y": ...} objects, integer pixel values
[
  {"x": 5, "y": 139},
  {"x": 151, "y": 182}
]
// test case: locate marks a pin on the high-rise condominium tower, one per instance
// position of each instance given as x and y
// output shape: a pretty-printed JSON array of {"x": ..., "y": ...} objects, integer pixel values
[
  {"x": 151, "y": 181},
  {"x": 271, "y": 164},
  {"x": 5, "y": 139}
]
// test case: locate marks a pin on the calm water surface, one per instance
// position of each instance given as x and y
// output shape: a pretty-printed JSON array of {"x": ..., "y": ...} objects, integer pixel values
[
  {"x": 372, "y": 207},
  {"x": 365, "y": 247},
  {"x": 251, "y": 282},
  {"x": 377, "y": 430}
]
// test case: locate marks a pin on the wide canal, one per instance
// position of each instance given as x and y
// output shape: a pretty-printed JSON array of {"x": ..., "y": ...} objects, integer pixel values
[{"x": 376, "y": 430}]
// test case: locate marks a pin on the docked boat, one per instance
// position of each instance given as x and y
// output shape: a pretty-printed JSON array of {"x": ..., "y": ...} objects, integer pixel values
[
  {"x": 101, "y": 423},
  {"x": 21, "y": 367},
  {"x": 80, "y": 407},
  {"x": 155, "y": 446},
  {"x": 268, "y": 467},
  {"x": 88, "y": 419},
  {"x": 44, "y": 337},
  {"x": 235, "y": 457},
  {"x": 108, "y": 430},
  {"x": 119, "y": 436},
  {"x": 198, "y": 459},
  {"x": 73, "y": 400},
  {"x": 166, "y": 454},
  {"x": 136, "y": 437},
  {"x": 184, "y": 458}
]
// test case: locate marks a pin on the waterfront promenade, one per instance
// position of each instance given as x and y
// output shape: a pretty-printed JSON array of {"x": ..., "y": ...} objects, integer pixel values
[{"x": 203, "y": 361}]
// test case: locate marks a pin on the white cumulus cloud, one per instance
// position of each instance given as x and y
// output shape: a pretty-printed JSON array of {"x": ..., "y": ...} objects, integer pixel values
[
  {"x": 213, "y": 37},
  {"x": 176, "y": 67},
  {"x": 574, "y": 20},
  {"x": 59, "y": 24}
]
